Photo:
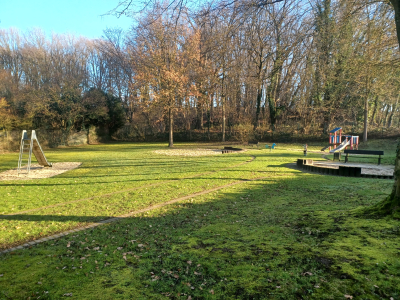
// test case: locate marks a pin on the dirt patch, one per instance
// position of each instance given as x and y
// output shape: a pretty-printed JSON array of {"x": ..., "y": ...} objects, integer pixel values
[
  {"x": 189, "y": 152},
  {"x": 38, "y": 171}
]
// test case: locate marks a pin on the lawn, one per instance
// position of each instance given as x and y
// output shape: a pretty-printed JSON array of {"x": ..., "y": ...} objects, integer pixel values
[{"x": 252, "y": 229}]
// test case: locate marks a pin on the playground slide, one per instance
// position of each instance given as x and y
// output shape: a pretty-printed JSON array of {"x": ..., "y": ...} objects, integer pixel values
[
  {"x": 343, "y": 145},
  {"x": 39, "y": 154}
]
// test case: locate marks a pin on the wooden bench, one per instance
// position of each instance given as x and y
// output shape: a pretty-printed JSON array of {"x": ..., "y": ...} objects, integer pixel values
[
  {"x": 252, "y": 143},
  {"x": 363, "y": 152}
]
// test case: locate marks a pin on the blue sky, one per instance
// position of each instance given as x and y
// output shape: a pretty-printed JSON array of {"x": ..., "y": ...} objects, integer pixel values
[{"x": 81, "y": 17}]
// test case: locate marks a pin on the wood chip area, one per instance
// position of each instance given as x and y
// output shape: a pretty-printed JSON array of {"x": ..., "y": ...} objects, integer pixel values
[
  {"x": 189, "y": 152},
  {"x": 38, "y": 172}
]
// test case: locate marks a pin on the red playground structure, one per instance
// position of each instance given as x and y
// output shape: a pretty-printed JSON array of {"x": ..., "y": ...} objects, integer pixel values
[{"x": 339, "y": 141}]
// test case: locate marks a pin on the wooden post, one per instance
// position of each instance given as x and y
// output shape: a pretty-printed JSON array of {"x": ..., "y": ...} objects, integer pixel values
[{"x": 334, "y": 141}]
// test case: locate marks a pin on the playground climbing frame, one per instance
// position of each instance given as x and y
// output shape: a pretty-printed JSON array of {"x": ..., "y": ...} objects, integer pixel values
[{"x": 29, "y": 146}]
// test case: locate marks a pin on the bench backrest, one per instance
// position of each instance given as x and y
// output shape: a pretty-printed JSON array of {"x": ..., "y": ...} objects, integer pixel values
[{"x": 371, "y": 152}]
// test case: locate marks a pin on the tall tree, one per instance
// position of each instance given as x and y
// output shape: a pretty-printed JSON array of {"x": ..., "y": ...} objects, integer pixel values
[{"x": 392, "y": 203}]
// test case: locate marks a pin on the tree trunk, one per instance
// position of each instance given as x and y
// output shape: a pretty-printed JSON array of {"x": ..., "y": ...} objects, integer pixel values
[
  {"x": 259, "y": 96},
  {"x": 271, "y": 96},
  {"x": 238, "y": 103},
  {"x": 199, "y": 115},
  {"x": 365, "y": 131},
  {"x": 272, "y": 109},
  {"x": 372, "y": 121},
  {"x": 212, "y": 109},
  {"x": 223, "y": 108},
  {"x": 394, "y": 107},
  {"x": 386, "y": 115},
  {"x": 396, "y": 6},
  {"x": 223, "y": 118},
  {"x": 272, "y": 92},
  {"x": 392, "y": 204},
  {"x": 171, "y": 127}
]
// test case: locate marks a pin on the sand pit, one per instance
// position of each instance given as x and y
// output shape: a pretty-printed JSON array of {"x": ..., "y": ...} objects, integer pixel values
[
  {"x": 189, "y": 152},
  {"x": 38, "y": 172}
]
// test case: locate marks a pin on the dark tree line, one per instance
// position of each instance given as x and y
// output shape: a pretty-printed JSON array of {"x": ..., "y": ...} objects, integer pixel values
[
  {"x": 63, "y": 83},
  {"x": 292, "y": 67}
]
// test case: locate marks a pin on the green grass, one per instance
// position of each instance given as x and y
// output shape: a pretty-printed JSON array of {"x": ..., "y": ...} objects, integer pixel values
[{"x": 283, "y": 235}]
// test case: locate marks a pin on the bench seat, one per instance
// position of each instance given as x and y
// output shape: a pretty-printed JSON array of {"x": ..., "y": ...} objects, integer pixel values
[{"x": 363, "y": 152}]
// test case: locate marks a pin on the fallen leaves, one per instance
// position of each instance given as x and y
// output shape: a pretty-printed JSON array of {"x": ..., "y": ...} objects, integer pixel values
[{"x": 348, "y": 297}]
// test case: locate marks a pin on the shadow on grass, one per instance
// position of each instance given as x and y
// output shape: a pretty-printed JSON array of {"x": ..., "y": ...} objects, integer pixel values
[
  {"x": 152, "y": 179},
  {"x": 287, "y": 190},
  {"x": 241, "y": 244}
]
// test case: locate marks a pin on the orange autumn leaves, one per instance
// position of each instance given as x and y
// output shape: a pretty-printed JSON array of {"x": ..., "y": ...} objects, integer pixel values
[{"x": 167, "y": 64}]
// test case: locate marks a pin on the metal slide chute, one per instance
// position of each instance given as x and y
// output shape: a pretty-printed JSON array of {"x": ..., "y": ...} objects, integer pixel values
[
  {"x": 343, "y": 145},
  {"x": 31, "y": 145}
]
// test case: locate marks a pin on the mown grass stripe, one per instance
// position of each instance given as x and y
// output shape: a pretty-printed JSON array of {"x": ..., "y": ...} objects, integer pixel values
[
  {"x": 143, "y": 210},
  {"x": 129, "y": 190}
]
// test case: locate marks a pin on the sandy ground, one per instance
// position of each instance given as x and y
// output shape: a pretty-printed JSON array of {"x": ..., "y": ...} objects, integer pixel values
[
  {"x": 38, "y": 171},
  {"x": 365, "y": 168},
  {"x": 189, "y": 152}
]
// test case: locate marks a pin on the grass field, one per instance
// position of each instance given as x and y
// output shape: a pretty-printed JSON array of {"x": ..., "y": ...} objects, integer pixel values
[{"x": 260, "y": 230}]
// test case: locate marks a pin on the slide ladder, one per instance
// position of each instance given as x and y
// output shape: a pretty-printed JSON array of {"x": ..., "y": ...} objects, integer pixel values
[
  {"x": 29, "y": 146},
  {"x": 323, "y": 149}
]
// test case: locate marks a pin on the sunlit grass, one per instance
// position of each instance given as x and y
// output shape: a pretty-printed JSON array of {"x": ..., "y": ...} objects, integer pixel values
[{"x": 284, "y": 235}]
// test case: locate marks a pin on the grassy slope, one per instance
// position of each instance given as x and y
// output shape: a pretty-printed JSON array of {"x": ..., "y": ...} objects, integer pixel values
[{"x": 289, "y": 235}]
